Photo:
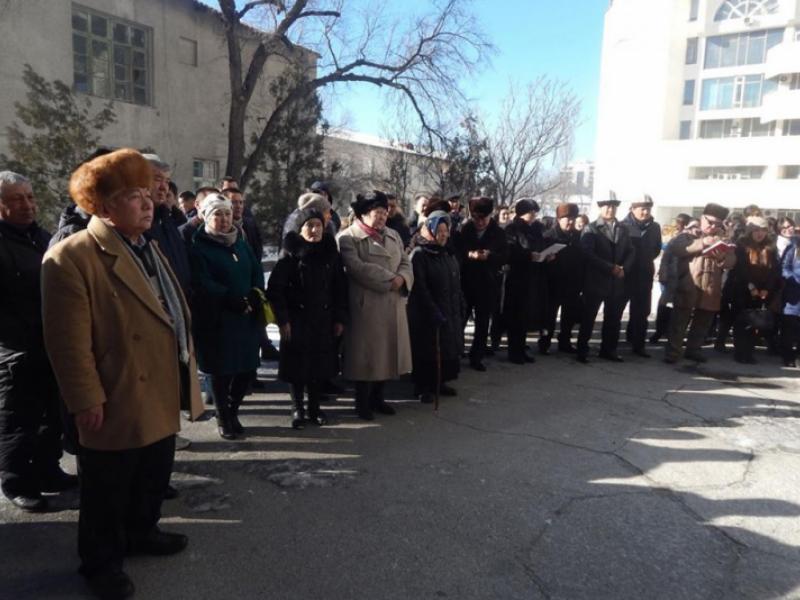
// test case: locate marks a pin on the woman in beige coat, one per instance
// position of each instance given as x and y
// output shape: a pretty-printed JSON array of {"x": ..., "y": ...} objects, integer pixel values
[{"x": 376, "y": 346}]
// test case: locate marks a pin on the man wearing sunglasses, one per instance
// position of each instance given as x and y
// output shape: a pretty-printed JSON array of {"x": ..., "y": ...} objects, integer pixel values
[{"x": 701, "y": 260}]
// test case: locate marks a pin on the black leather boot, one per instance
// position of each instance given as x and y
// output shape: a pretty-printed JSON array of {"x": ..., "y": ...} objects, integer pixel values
[
  {"x": 236, "y": 425},
  {"x": 299, "y": 413},
  {"x": 376, "y": 400},
  {"x": 224, "y": 424},
  {"x": 315, "y": 415}
]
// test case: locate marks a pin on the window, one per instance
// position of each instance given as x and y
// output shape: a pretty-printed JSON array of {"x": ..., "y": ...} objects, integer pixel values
[
  {"x": 791, "y": 127},
  {"x": 204, "y": 172},
  {"x": 187, "y": 51},
  {"x": 723, "y": 173},
  {"x": 694, "y": 10},
  {"x": 686, "y": 130},
  {"x": 746, "y": 9},
  {"x": 111, "y": 58},
  {"x": 794, "y": 81},
  {"x": 789, "y": 172},
  {"x": 688, "y": 92},
  {"x": 733, "y": 128},
  {"x": 747, "y": 48},
  {"x": 744, "y": 91},
  {"x": 691, "y": 51}
]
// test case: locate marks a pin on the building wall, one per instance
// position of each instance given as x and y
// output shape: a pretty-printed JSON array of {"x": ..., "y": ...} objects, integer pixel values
[
  {"x": 187, "y": 116},
  {"x": 365, "y": 163},
  {"x": 641, "y": 107}
]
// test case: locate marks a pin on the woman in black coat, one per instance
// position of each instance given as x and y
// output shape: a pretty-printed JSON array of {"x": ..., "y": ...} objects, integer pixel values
[
  {"x": 526, "y": 293},
  {"x": 308, "y": 293},
  {"x": 435, "y": 310}
]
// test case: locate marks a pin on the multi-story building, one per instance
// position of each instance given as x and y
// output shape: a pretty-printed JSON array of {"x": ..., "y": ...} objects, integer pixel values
[
  {"x": 579, "y": 175},
  {"x": 164, "y": 63},
  {"x": 700, "y": 102}
]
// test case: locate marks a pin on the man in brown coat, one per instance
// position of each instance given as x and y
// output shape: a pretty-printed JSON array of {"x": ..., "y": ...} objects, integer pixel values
[
  {"x": 116, "y": 329},
  {"x": 699, "y": 287}
]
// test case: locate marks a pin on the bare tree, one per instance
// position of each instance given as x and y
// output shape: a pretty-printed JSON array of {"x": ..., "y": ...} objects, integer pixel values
[
  {"x": 533, "y": 132},
  {"x": 422, "y": 59}
]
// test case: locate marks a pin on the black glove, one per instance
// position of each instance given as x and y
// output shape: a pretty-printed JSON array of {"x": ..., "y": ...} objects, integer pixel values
[
  {"x": 237, "y": 304},
  {"x": 254, "y": 298}
]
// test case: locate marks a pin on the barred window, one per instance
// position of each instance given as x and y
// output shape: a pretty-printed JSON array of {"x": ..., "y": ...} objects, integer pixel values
[{"x": 111, "y": 57}]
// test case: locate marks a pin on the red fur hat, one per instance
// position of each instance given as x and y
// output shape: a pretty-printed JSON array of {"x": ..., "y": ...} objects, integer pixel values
[{"x": 97, "y": 180}]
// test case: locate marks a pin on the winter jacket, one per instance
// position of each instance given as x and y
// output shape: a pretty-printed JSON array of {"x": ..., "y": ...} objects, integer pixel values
[
  {"x": 398, "y": 223},
  {"x": 376, "y": 343},
  {"x": 72, "y": 220},
  {"x": 757, "y": 265},
  {"x": 565, "y": 273},
  {"x": 252, "y": 235},
  {"x": 227, "y": 338},
  {"x": 308, "y": 290},
  {"x": 480, "y": 279},
  {"x": 435, "y": 303},
  {"x": 21, "y": 252},
  {"x": 526, "y": 286},
  {"x": 790, "y": 268},
  {"x": 603, "y": 249},
  {"x": 699, "y": 277},
  {"x": 165, "y": 232},
  {"x": 112, "y": 343},
  {"x": 646, "y": 240}
]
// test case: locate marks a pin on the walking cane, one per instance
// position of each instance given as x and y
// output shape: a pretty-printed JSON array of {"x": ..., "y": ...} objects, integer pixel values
[{"x": 438, "y": 372}]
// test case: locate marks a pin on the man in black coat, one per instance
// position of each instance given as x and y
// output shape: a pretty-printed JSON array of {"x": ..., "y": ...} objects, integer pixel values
[
  {"x": 164, "y": 229},
  {"x": 609, "y": 256},
  {"x": 482, "y": 251},
  {"x": 397, "y": 221},
  {"x": 30, "y": 422},
  {"x": 645, "y": 236},
  {"x": 525, "y": 293},
  {"x": 564, "y": 280}
]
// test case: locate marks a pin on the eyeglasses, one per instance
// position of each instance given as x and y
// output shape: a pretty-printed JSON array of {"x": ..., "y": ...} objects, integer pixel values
[{"x": 713, "y": 222}]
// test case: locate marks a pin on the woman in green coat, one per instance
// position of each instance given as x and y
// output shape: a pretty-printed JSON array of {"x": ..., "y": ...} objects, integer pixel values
[{"x": 227, "y": 310}]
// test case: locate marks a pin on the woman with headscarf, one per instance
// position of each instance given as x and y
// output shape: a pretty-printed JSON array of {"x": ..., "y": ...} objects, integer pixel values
[
  {"x": 379, "y": 274},
  {"x": 228, "y": 312},
  {"x": 435, "y": 310},
  {"x": 308, "y": 292},
  {"x": 755, "y": 283}
]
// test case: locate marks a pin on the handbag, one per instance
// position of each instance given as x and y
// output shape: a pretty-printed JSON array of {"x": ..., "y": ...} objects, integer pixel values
[
  {"x": 266, "y": 314},
  {"x": 759, "y": 319}
]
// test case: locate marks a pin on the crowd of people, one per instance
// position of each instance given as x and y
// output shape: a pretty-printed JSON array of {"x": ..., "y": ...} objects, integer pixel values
[{"x": 106, "y": 325}]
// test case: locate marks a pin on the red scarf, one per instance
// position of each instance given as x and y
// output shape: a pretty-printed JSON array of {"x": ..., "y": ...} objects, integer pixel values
[{"x": 370, "y": 231}]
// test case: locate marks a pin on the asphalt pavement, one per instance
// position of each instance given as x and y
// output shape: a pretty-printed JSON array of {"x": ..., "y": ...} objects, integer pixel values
[{"x": 638, "y": 480}]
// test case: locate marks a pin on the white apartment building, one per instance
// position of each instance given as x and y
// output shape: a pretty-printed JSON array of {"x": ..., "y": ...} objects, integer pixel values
[{"x": 700, "y": 102}]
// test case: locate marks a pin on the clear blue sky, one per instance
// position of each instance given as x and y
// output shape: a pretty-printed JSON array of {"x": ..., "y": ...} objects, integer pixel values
[{"x": 558, "y": 38}]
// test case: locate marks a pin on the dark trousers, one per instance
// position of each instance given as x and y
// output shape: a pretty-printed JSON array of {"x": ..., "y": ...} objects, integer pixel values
[
  {"x": 571, "y": 307},
  {"x": 517, "y": 335},
  {"x": 701, "y": 321},
  {"x": 790, "y": 337},
  {"x": 230, "y": 390},
  {"x": 482, "y": 309},
  {"x": 369, "y": 395},
  {"x": 663, "y": 316},
  {"x": 314, "y": 389},
  {"x": 744, "y": 338},
  {"x": 121, "y": 495},
  {"x": 640, "y": 304},
  {"x": 30, "y": 424},
  {"x": 612, "y": 317}
]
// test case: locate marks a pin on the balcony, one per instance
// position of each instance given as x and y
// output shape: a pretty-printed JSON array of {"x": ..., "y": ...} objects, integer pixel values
[
  {"x": 782, "y": 60},
  {"x": 781, "y": 104}
]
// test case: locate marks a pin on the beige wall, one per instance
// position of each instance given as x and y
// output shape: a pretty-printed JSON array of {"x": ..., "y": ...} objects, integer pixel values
[{"x": 188, "y": 116}]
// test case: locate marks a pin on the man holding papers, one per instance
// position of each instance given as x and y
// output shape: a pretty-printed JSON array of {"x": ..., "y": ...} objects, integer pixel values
[
  {"x": 564, "y": 279},
  {"x": 701, "y": 262}
]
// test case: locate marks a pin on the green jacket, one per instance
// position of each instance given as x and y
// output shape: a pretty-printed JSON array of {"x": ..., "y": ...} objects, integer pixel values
[{"x": 227, "y": 338}]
